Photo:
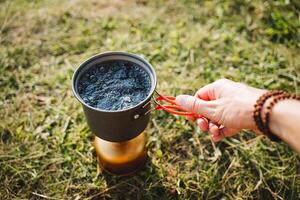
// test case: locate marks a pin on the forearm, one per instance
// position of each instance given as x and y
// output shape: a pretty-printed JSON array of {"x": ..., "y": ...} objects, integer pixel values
[{"x": 285, "y": 122}]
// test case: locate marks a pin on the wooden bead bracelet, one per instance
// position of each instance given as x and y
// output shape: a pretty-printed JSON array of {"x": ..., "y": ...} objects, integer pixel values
[{"x": 262, "y": 122}]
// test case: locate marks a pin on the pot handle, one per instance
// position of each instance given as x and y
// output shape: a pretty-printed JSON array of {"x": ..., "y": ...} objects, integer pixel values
[
  {"x": 143, "y": 111},
  {"x": 170, "y": 106}
]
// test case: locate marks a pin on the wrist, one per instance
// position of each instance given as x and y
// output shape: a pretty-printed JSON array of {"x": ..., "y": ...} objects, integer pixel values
[
  {"x": 278, "y": 123},
  {"x": 264, "y": 110}
]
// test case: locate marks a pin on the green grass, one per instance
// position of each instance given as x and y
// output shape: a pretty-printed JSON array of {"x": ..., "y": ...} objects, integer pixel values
[{"x": 46, "y": 147}]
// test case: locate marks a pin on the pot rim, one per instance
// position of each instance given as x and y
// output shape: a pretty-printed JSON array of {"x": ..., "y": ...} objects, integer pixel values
[{"x": 107, "y": 53}]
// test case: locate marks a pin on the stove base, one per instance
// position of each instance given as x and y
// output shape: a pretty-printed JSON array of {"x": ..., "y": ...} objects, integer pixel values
[{"x": 121, "y": 158}]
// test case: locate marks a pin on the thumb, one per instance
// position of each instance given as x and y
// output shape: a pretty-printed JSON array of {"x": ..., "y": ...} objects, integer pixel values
[{"x": 196, "y": 105}]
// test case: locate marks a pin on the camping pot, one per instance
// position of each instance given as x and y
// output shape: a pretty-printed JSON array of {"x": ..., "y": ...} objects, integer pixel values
[{"x": 119, "y": 125}]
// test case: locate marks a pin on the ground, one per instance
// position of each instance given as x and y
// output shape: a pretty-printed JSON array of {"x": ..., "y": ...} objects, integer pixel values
[{"x": 46, "y": 147}]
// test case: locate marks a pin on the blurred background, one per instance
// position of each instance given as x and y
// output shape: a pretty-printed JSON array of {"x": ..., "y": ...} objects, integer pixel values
[{"x": 46, "y": 148}]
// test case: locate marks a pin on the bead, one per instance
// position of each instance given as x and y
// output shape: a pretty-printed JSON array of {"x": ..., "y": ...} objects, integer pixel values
[{"x": 262, "y": 122}]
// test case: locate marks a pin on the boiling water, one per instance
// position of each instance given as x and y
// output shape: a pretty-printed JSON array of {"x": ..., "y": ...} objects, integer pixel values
[{"x": 114, "y": 85}]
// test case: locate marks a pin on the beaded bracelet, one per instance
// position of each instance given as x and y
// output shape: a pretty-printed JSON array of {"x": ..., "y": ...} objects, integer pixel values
[
  {"x": 258, "y": 108},
  {"x": 269, "y": 108},
  {"x": 263, "y": 126}
]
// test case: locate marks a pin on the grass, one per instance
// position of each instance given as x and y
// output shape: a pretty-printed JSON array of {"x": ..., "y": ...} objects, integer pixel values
[{"x": 46, "y": 148}]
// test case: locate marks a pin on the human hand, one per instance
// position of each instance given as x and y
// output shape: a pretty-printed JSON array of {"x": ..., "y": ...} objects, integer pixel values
[{"x": 227, "y": 107}]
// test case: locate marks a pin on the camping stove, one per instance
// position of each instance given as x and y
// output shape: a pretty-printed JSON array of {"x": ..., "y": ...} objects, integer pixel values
[{"x": 120, "y": 138}]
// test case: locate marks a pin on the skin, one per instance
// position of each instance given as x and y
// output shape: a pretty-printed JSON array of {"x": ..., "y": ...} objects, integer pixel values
[{"x": 227, "y": 108}]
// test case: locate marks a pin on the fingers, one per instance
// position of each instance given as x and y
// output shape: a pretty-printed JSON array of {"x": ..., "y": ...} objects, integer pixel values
[
  {"x": 206, "y": 93},
  {"x": 228, "y": 132},
  {"x": 191, "y": 118},
  {"x": 190, "y": 103},
  {"x": 202, "y": 124},
  {"x": 210, "y": 92},
  {"x": 217, "y": 132},
  {"x": 222, "y": 133},
  {"x": 214, "y": 130}
]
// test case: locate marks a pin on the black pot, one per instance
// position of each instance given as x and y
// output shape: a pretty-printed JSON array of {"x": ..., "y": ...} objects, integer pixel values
[{"x": 116, "y": 126}]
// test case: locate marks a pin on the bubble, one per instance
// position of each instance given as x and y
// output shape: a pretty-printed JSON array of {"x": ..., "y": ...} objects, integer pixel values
[{"x": 114, "y": 85}]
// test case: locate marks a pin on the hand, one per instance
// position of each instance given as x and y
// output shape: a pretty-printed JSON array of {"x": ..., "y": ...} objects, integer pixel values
[{"x": 227, "y": 107}]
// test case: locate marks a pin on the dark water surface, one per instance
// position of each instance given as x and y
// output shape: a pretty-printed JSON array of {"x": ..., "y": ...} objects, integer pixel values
[{"x": 114, "y": 85}]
